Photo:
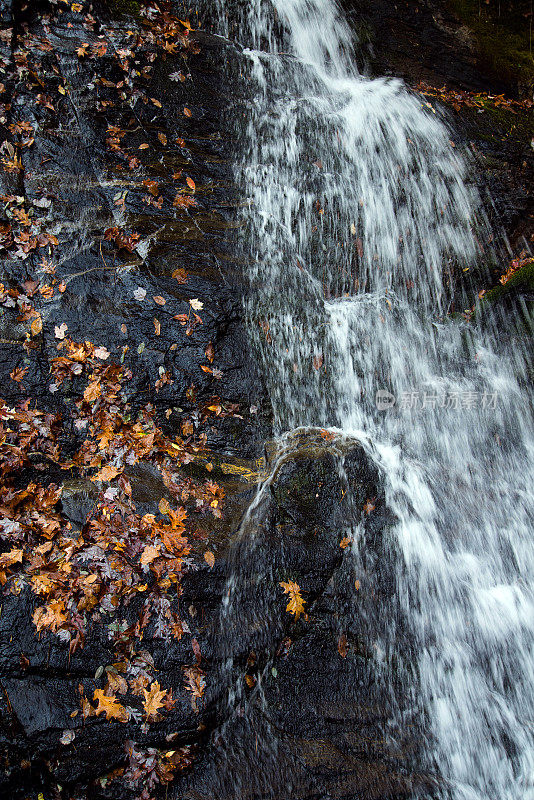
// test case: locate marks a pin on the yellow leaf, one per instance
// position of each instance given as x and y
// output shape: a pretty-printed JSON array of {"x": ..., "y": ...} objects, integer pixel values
[
  {"x": 296, "y": 604},
  {"x": 37, "y": 325},
  {"x": 209, "y": 558},
  {"x": 93, "y": 391},
  {"x": 164, "y": 506},
  {"x": 50, "y": 616},
  {"x": 107, "y": 473},
  {"x": 110, "y": 706},
  {"x": 149, "y": 554},
  {"x": 12, "y": 557},
  {"x": 153, "y": 699}
]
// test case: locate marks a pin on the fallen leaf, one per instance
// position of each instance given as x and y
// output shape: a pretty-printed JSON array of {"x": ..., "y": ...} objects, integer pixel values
[
  {"x": 196, "y": 650},
  {"x": 184, "y": 202},
  {"x": 37, "y": 325},
  {"x": 107, "y": 473},
  {"x": 102, "y": 353},
  {"x": 342, "y": 646},
  {"x": 13, "y": 556},
  {"x": 187, "y": 112},
  {"x": 209, "y": 558},
  {"x": 149, "y": 554},
  {"x": 157, "y": 326},
  {"x": 93, "y": 391},
  {"x": 296, "y": 604},
  {"x": 180, "y": 275},
  {"x": 50, "y": 616},
  {"x": 196, "y": 305},
  {"x": 369, "y": 505},
  {"x": 153, "y": 700},
  {"x": 164, "y": 506},
  {"x": 110, "y": 706},
  {"x": 195, "y": 682},
  {"x": 139, "y": 293},
  {"x": 159, "y": 300},
  {"x": 61, "y": 330},
  {"x": 162, "y": 138},
  {"x": 191, "y": 183},
  {"x": 18, "y": 374}
]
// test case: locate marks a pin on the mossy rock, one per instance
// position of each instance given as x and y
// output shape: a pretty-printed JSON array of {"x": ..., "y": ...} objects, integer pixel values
[
  {"x": 521, "y": 281},
  {"x": 501, "y": 34},
  {"x": 124, "y": 7},
  {"x": 511, "y": 305}
]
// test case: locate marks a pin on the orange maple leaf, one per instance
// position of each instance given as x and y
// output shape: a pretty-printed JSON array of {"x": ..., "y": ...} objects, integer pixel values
[
  {"x": 107, "y": 473},
  {"x": 296, "y": 604},
  {"x": 195, "y": 682},
  {"x": 110, "y": 706},
  {"x": 153, "y": 700},
  {"x": 149, "y": 554},
  {"x": 369, "y": 505},
  {"x": 93, "y": 391},
  {"x": 50, "y": 616},
  {"x": 173, "y": 540}
]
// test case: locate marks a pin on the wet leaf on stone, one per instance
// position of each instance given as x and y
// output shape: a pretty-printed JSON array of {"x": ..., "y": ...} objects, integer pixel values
[{"x": 296, "y": 603}]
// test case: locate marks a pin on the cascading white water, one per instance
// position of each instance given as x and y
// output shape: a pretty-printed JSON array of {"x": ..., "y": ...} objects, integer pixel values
[{"x": 358, "y": 209}]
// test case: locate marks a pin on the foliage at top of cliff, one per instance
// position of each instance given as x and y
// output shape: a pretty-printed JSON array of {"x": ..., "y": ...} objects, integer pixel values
[{"x": 503, "y": 35}]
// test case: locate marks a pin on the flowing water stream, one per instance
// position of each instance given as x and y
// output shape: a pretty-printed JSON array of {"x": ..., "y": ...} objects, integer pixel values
[{"x": 360, "y": 216}]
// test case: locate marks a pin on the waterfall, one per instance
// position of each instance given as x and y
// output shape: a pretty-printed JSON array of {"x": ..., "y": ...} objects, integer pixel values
[{"x": 359, "y": 220}]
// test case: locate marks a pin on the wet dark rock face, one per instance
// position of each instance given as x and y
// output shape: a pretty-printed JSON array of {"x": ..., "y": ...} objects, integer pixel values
[
  {"x": 311, "y": 703},
  {"x": 73, "y": 169}
]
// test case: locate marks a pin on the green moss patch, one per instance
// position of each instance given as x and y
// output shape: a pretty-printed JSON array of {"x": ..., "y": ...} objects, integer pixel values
[
  {"x": 520, "y": 281},
  {"x": 503, "y": 35}
]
